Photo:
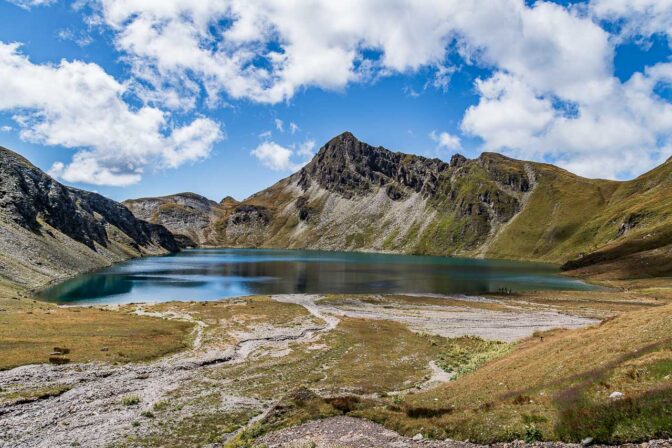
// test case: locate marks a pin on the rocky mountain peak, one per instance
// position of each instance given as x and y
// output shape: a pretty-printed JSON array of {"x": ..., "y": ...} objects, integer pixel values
[{"x": 350, "y": 167}]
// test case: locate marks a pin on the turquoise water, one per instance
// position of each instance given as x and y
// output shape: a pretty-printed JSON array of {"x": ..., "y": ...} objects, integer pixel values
[{"x": 208, "y": 274}]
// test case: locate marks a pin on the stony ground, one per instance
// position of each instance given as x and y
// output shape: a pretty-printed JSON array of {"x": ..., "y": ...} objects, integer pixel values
[
  {"x": 343, "y": 431},
  {"x": 245, "y": 357}
]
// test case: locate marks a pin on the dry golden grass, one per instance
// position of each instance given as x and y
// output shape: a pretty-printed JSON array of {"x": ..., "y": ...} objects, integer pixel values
[
  {"x": 29, "y": 331},
  {"x": 592, "y": 304}
]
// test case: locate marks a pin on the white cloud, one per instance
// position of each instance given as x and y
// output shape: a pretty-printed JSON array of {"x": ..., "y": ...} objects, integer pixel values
[
  {"x": 638, "y": 18},
  {"x": 281, "y": 158},
  {"x": 444, "y": 140},
  {"x": 6, "y": 129},
  {"x": 293, "y": 128},
  {"x": 78, "y": 105},
  {"x": 27, "y": 4},
  {"x": 442, "y": 77},
  {"x": 306, "y": 149},
  {"x": 279, "y": 125},
  {"x": 275, "y": 156},
  {"x": 620, "y": 134},
  {"x": 552, "y": 94},
  {"x": 166, "y": 40}
]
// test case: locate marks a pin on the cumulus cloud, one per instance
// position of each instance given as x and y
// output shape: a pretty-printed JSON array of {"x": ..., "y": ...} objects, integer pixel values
[
  {"x": 280, "y": 158},
  {"x": 624, "y": 132},
  {"x": 274, "y": 156},
  {"x": 550, "y": 94},
  {"x": 444, "y": 140},
  {"x": 269, "y": 49},
  {"x": 78, "y": 105}
]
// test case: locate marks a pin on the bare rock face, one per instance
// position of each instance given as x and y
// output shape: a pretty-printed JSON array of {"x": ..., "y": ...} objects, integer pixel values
[
  {"x": 189, "y": 216},
  {"x": 50, "y": 231},
  {"x": 353, "y": 168}
]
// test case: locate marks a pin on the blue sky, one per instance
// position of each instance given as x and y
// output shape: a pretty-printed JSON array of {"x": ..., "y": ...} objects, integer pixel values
[{"x": 135, "y": 111}]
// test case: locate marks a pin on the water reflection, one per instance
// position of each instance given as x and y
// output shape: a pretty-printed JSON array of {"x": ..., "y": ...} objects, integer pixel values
[{"x": 207, "y": 274}]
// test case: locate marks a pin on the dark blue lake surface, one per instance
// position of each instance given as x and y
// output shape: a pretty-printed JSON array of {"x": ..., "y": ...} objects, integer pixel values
[{"x": 208, "y": 274}]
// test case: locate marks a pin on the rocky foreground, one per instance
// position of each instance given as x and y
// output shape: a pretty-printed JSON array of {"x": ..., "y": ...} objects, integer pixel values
[{"x": 259, "y": 368}]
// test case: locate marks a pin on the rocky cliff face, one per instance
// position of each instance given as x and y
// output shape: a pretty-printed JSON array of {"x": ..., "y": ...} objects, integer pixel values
[
  {"x": 190, "y": 217},
  {"x": 49, "y": 231},
  {"x": 353, "y": 196}
]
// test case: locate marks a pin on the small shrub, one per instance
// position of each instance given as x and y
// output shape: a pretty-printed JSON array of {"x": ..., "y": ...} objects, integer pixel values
[
  {"x": 521, "y": 399},
  {"x": 58, "y": 361},
  {"x": 130, "y": 400},
  {"x": 422, "y": 412},
  {"x": 344, "y": 404},
  {"x": 532, "y": 434},
  {"x": 160, "y": 406}
]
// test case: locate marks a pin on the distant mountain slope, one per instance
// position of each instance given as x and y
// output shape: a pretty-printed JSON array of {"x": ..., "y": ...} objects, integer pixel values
[
  {"x": 50, "y": 232},
  {"x": 353, "y": 196},
  {"x": 190, "y": 217}
]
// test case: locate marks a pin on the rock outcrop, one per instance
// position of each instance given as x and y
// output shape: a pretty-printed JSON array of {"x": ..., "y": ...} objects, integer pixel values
[
  {"x": 190, "y": 217},
  {"x": 49, "y": 231}
]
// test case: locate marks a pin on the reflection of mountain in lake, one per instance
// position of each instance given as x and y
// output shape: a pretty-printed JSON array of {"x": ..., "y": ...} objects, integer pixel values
[{"x": 207, "y": 274}]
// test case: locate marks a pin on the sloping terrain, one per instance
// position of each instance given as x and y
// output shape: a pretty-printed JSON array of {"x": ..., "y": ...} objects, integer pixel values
[
  {"x": 188, "y": 216},
  {"x": 50, "y": 232},
  {"x": 353, "y": 196},
  {"x": 611, "y": 382}
]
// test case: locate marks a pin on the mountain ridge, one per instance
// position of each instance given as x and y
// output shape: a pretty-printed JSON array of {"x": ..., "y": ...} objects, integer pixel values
[
  {"x": 354, "y": 196},
  {"x": 50, "y": 232}
]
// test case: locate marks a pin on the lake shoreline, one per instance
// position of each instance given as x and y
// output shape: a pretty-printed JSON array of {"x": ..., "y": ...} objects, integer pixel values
[{"x": 209, "y": 274}]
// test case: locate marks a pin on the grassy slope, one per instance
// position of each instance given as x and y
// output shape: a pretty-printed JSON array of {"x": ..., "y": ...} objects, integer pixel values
[
  {"x": 552, "y": 225},
  {"x": 613, "y": 229},
  {"x": 558, "y": 387}
]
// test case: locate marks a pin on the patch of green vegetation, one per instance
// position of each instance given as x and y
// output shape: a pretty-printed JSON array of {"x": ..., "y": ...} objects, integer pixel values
[
  {"x": 411, "y": 235},
  {"x": 632, "y": 419},
  {"x": 390, "y": 240},
  {"x": 388, "y": 356},
  {"x": 193, "y": 415},
  {"x": 465, "y": 354},
  {"x": 661, "y": 369},
  {"x": 130, "y": 400}
]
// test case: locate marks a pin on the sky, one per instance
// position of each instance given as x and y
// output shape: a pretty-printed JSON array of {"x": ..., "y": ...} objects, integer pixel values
[{"x": 225, "y": 97}]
